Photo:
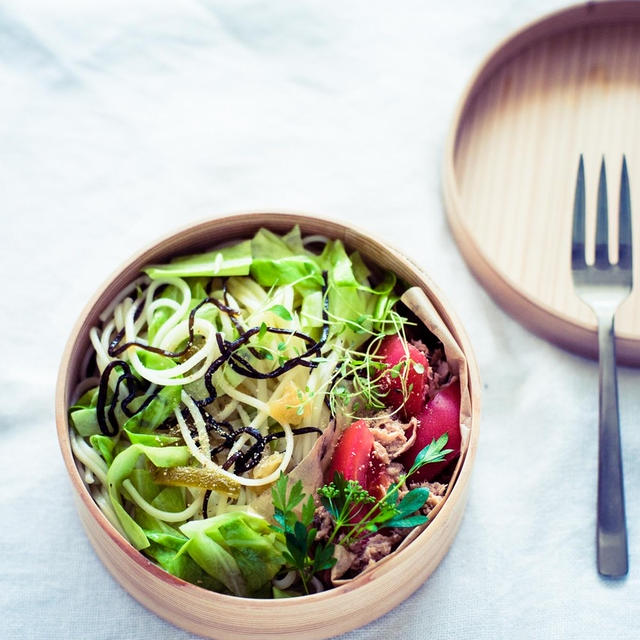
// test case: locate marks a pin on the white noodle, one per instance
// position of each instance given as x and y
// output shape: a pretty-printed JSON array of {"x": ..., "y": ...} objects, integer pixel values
[
  {"x": 286, "y": 582},
  {"x": 166, "y": 516},
  {"x": 161, "y": 302},
  {"x": 315, "y": 238},
  {"x": 259, "y": 420},
  {"x": 238, "y": 444},
  {"x": 203, "y": 436},
  {"x": 138, "y": 282},
  {"x": 244, "y": 416},
  {"x": 230, "y": 407},
  {"x": 238, "y": 396},
  {"x": 102, "y": 357},
  {"x": 105, "y": 339},
  {"x": 88, "y": 456},
  {"x": 241, "y": 397},
  {"x": 179, "y": 313},
  {"x": 104, "y": 502},
  {"x": 167, "y": 377},
  {"x": 83, "y": 386},
  {"x": 121, "y": 311},
  {"x": 317, "y": 585}
]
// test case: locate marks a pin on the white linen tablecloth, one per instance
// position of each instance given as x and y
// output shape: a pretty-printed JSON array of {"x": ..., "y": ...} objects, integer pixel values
[{"x": 121, "y": 121}]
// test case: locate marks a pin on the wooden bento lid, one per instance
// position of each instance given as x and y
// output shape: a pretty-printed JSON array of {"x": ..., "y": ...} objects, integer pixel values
[{"x": 564, "y": 85}]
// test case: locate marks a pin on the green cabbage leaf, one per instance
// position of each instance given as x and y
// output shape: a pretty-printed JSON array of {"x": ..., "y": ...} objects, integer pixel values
[{"x": 236, "y": 548}]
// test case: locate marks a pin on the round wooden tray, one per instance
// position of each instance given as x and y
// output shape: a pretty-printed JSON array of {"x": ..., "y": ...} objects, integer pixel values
[
  {"x": 564, "y": 85},
  {"x": 224, "y": 617}
]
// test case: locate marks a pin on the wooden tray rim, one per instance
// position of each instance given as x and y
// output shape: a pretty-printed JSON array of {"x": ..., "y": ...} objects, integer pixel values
[{"x": 547, "y": 322}]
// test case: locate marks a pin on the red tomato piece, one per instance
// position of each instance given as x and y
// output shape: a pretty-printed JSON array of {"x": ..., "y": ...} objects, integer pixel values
[
  {"x": 403, "y": 381},
  {"x": 353, "y": 459},
  {"x": 440, "y": 415},
  {"x": 352, "y": 455}
]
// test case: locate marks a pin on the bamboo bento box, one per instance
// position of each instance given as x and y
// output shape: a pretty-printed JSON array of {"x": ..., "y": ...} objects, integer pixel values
[
  {"x": 215, "y": 615},
  {"x": 564, "y": 85}
]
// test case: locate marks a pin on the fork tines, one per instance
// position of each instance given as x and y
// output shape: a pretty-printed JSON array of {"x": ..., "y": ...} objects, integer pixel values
[{"x": 578, "y": 258}]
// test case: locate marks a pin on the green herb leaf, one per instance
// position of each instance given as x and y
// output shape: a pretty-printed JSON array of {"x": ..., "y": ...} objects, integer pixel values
[
  {"x": 308, "y": 509},
  {"x": 411, "y": 521},
  {"x": 413, "y": 501},
  {"x": 323, "y": 557},
  {"x": 281, "y": 311},
  {"x": 433, "y": 452}
]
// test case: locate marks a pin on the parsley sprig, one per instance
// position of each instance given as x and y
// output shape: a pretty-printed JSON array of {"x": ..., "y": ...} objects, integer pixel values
[
  {"x": 303, "y": 553},
  {"x": 356, "y": 513}
]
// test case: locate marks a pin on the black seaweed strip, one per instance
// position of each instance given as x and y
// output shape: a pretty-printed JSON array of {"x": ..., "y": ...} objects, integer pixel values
[{"x": 102, "y": 399}]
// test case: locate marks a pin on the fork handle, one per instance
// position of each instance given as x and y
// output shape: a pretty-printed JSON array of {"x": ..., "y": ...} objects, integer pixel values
[{"x": 611, "y": 531}]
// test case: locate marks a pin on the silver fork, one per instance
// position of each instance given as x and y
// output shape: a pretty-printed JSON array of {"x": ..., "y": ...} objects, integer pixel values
[{"x": 604, "y": 286}]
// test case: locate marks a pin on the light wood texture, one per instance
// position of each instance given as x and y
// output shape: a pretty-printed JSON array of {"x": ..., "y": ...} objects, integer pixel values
[
  {"x": 565, "y": 85},
  {"x": 214, "y": 615}
]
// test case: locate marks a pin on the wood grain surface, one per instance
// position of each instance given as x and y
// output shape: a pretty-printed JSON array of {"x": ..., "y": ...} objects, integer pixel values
[
  {"x": 214, "y": 615},
  {"x": 566, "y": 85}
]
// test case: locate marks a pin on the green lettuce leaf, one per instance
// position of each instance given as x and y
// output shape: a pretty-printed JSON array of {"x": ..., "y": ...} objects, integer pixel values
[
  {"x": 153, "y": 360},
  {"x": 156, "y": 412},
  {"x": 83, "y": 413},
  {"x": 275, "y": 263},
  {"x": 160, "y": 316},
  {"x": 87, "y": 400},
  {"x": 85, "y": 421},
  {"x": 236, "y": 548},
  {"x": 293, "y": 239},
  {"x": 234, "y": 260},
  {"x": 123, "y": 466},
  {"x": 339, "y": 265},
  {"x": 311, "y": 310},
  {"x": 150, "y": 439},
  {"x": 163, "y": 548},
  {"x": 170, "y": 499},
  {"x": 104, "y": 445}
]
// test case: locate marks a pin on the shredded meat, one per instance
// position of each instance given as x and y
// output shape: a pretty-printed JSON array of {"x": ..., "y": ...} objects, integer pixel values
[
  {"x": 392, "y": 436},
  {"x": 436, "y": 494},
  {"x": 323, "y": 523},
  {"x": 380, "y": 453},
  {"x": 438, "y": 373},
  {"x": 420, "y": 346},
  {"x": 393, "y": 471},
  {"x": 369, "y": 550}
]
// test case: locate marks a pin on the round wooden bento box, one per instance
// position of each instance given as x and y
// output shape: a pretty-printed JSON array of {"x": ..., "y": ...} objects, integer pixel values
[{"x": 214, "y": 615}]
